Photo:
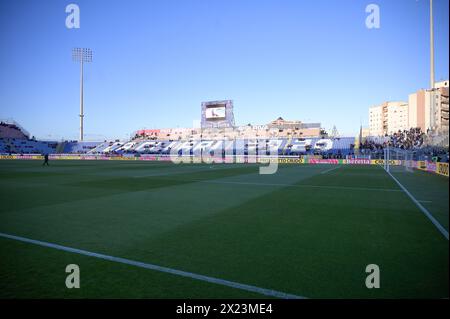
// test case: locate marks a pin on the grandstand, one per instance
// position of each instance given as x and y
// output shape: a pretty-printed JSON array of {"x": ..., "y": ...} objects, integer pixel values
[
  {"x": 280, "y": 137},
  {"x": 11, "y": 129},
  {"x": 290, "y": 138},
  {"x": 281, "y": 146},
  {"x": 15, "y": 140},
  {"x": 287, "y": 137},
  {"x": 75, "y": 147}
]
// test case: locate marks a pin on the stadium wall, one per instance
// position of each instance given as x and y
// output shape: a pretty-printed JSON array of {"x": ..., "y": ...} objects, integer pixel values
[
  {"x": 205, "y": 159},
  {"x": 433, "y": 167}
]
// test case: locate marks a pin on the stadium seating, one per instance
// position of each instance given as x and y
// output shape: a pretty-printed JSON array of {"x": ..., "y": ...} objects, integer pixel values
[
  {"x": 413, "y": 138},
  {"x": 246, "y": 140},
  {"x": 334, "y": 146},
  {"x": 14, "y": 139},
  {"x": 23, "y": 146},
  {"x": 79, "y": 147}
]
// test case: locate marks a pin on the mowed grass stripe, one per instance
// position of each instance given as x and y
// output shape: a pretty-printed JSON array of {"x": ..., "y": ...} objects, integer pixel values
[
  {"x": 171, "y": 271},
  {"x": 433, "y": 220},
  {"x": 46, "y": 188},
  {"x": 127, "y": 219},
  {"x": 347, "y": 188},
  {"x": 317, "y": 243},
  {"x": 135, "y": 184},
  {"x": 63, "y": 230},
  {"x": 30, "y": 271},
  {"x": 431, "y": 189}
]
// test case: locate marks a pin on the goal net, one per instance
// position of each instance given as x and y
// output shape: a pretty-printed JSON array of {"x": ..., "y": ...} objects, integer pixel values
[{"x": 398, "y": 160}]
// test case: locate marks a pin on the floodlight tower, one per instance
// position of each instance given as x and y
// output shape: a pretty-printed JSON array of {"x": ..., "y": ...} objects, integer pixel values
[{"x": 81, "y": 55}]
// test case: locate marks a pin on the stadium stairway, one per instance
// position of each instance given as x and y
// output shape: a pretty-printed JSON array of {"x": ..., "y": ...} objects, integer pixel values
[
  {"x": 289, "y": 141},
  {"x": 99, "y": 148},
  {"x": 11, "y": 147},
  {"x": 60, "y": 147}
]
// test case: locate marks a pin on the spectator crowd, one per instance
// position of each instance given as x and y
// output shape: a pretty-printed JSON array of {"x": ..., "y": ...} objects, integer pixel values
[{"x": 407, "y": 139}]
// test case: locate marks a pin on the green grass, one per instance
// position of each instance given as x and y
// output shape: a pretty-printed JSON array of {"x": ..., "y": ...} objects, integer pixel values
[{"x": 302, "y": 231}]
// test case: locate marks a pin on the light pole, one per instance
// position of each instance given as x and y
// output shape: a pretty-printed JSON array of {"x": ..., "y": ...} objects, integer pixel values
[
  {"x": 431, "y": 46},
  {"x": 432, "y": 102},
  {"x": 81, "y": 55}
]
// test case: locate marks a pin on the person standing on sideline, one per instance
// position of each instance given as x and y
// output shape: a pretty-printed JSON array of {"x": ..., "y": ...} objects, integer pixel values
[{"x": 45, "y": 160}]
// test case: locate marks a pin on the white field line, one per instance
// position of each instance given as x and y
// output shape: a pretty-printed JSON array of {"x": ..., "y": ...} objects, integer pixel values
[
  {"x": 443, "y": 231},
  {"x": 175, "y": 172},
  {"x": 329, "y": 170},
  {"x": 176, "y": 272},
  {"x": 196, "y": 169},
  {"x": 292, "y": 185}
]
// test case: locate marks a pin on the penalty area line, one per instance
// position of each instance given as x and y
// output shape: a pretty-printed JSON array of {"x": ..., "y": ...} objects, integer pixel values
[
  {"x": 422, "y": 208},
  {"x": 329, "y": 170},
  {"x": 290, "y": 185},
  {"x": 176, "y": 272}
]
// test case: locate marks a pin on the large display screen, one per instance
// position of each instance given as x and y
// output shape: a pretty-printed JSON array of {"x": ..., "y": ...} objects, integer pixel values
[{"x": 215, "y": 112}]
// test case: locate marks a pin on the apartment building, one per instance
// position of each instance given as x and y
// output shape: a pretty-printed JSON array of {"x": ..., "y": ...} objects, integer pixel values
[{"x": 388, "y": 118}]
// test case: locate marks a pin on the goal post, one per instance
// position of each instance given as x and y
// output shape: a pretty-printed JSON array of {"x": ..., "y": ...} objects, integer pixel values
[
  {"x": 386, "y": 159},
  {"x": 398, "y": 159},
  {"x": 409, "y": 161}
]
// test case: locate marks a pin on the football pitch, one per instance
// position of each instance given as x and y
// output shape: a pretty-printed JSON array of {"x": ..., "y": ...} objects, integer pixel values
[{"x": 141, "y": 229}]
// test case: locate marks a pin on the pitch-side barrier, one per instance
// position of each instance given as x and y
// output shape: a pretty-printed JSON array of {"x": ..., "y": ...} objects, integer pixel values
[{"x": 434, "y": 167}]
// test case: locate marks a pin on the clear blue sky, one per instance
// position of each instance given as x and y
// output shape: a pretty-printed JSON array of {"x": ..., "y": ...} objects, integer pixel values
[{"x": 156, "y": 61}]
